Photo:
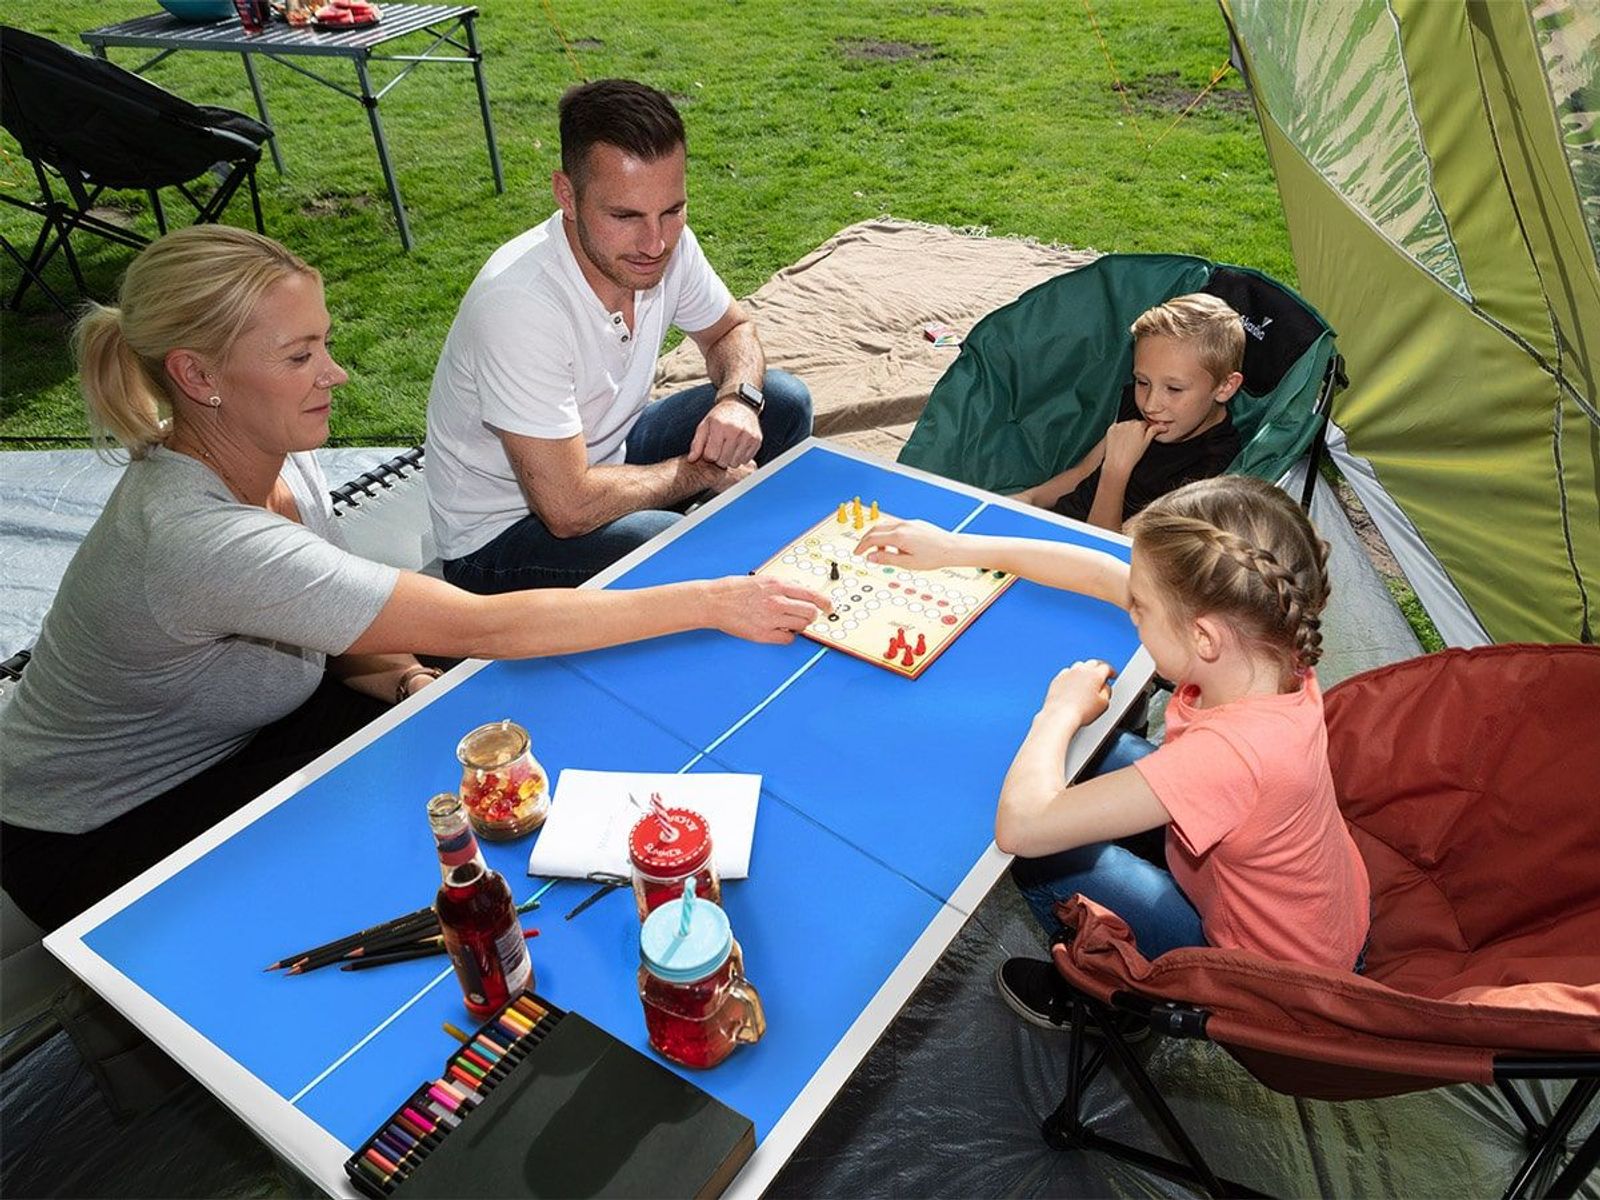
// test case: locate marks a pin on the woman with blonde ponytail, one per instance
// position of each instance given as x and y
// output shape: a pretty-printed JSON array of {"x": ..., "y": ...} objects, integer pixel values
[
  {"x": 212, "y": 635},
  {"x": 1226, "y": 586}
]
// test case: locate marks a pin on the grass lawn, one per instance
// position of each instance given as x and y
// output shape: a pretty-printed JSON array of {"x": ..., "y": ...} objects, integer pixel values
[{"x": 802, "y": 118}]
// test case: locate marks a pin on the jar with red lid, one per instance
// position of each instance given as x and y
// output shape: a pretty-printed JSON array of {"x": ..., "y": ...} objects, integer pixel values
[
  {"x": 698, "y": 1006},
  {"x": 667, "y": 847}
]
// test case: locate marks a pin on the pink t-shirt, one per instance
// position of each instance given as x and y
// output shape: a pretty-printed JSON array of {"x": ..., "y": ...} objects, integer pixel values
[{"x": 1257, "y": 841}]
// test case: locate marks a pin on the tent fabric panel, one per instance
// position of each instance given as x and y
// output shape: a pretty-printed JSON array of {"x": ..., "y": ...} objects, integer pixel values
[
  {"x": 1579, "y": 443},
  {"x": 1451, "y": 615},
  {"x": 1437, "y": 42},
  {"x": 1568, "y": 37},
  {"x": 1536, "y": 163},
  {"x": 1514, "y": 571},
  {"x": 1445, "y": 408},
  {"x": 1333, "y": 77}
]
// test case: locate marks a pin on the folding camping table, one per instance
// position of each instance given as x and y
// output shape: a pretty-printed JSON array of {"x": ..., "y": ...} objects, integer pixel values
[
  {"x": 282, "y": 43},
  {"x": 873, "y": 843}
]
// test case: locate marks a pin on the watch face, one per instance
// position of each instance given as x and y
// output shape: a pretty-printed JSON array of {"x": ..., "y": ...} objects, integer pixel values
[{"x": 752, "y": 396}]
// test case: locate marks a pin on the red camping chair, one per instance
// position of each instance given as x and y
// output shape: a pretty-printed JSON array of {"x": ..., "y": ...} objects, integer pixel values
[{"x": 1469, "y": 779}]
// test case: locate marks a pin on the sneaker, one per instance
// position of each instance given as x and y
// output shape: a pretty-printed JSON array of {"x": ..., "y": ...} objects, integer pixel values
[{"x": 1035, "y": 991}]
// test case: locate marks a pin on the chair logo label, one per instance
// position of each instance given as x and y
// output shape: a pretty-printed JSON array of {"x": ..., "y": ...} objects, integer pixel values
[{"x": 1259, "y": 332}]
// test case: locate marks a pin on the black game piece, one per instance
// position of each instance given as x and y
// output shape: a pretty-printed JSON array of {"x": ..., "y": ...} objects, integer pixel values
[{"x": 833, "y": 570}]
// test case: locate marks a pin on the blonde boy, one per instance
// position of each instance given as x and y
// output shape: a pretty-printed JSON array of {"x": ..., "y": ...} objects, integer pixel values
[{"x": 1173, "y": 425}]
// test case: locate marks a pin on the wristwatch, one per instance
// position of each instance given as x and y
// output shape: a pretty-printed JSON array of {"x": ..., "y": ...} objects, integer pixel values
[{"x": 746, "y": 393}]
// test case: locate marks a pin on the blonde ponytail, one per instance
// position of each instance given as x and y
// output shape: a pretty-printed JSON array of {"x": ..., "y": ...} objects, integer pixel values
[
  {"x": 126, "y": 407},
  {"x": 194, "y": 289}
]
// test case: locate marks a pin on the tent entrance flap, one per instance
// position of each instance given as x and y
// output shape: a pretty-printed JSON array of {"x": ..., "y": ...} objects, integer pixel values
[{"x": 1440, "y": 176}]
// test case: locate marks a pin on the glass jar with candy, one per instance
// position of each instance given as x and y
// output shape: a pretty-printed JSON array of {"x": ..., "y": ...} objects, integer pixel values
[
  {"x": 666, "y": 847},
  {"x": 503, "y": 787},
  {"x": 698, "y": 1006}
]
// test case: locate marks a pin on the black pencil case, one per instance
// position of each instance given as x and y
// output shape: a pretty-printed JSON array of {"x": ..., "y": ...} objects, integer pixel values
[{"x": 568, "y": 1111}]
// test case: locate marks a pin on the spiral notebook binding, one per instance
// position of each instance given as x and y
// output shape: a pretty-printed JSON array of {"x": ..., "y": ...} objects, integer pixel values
[{"x": 376, "y": 481}]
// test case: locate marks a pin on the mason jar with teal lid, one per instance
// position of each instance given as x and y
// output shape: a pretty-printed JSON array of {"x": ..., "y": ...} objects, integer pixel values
[{"x": 698, "y": 1006}]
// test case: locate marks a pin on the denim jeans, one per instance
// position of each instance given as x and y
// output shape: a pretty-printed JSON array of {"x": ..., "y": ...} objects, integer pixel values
[
  {"x": 1127, "y": 876},
  {"x": 528, "y": 555}
]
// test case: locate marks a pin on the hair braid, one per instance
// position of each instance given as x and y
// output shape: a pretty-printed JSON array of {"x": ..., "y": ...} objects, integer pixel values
[{"x": 1209, "y": 540}]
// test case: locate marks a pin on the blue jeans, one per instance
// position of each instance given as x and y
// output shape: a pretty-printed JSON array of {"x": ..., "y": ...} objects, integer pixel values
[
  {"x": 1127, "y": 876},
  {"x": 528, "y": 555}
]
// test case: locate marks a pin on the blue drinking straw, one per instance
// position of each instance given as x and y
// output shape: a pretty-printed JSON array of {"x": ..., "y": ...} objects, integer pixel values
[{"x": 688, "y": 903}]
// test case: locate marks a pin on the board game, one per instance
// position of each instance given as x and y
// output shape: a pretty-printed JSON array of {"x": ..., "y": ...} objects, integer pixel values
[{"x": 898, "y": 619}]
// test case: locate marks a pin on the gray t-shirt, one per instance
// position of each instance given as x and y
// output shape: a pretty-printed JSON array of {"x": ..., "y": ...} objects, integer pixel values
[{"x": 186, "y": 622}]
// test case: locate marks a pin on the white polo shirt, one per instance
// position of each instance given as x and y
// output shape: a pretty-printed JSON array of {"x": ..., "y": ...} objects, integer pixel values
[{"x": 532, "y": 351}]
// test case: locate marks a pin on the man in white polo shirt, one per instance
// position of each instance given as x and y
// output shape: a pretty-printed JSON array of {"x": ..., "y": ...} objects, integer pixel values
[{"x": 546, "y": 462}]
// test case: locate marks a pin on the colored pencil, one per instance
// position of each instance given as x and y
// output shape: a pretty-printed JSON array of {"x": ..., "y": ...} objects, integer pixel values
[
  {"x": 425, "y": 949},
  {"x": 428, "y": 935},
  {"x": 350, "y": 939}
]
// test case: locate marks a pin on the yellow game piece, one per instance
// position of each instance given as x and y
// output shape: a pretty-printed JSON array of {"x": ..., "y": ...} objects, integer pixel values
[
  {"x": 855, "y": 508},
  {"x": 874, "y": 514},
  {"x": 842, "y": 517},
  {"x": 859, "y": 522}
]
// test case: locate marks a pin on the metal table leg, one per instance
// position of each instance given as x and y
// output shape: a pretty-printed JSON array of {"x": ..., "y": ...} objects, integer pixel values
[
  {"x": 370, "y": 102},
  {"x": 261, "y": 107},
  {"x": 483, "y": 102}
]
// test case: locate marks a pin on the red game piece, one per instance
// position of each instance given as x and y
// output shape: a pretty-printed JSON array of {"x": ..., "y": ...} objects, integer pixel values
[
  {"x": 922, "y": 644},
  {"x": 894, "y": 647},
  {"x": 909, "y": 660}
]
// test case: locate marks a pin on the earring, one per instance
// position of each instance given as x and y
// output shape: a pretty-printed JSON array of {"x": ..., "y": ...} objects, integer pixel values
[{"x": 214, "y": 400}]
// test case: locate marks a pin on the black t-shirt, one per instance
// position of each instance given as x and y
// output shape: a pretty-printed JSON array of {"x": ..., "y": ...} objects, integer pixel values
[{"x": 1163, "y": 468}]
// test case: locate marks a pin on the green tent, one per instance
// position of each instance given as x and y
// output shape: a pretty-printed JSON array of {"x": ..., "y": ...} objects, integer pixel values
[{"x": 1439, "y": 163}]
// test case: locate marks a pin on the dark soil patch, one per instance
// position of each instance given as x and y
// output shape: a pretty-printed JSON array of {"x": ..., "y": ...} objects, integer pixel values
[
  {"x": 334, "y": 204},
  {"x": 1167, "y": 93},
  {"x": 874, "y": 50},
  {"x": 117, "y": 214},
  {"x": 954, "y": 10},
  {"x": 1383, "y": 559},
  {"x": 586, "y": 43}
]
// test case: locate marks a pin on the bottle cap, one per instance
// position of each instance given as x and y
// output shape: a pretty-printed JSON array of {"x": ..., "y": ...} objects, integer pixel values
[
  {"x": 452, "y": 834},
  {"x": 686, "y": 939},
  {"x": 677, "y": 844}
]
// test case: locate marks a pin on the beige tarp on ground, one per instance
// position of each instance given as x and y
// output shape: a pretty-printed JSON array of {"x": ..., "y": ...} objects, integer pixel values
[{"x": 848, "y": 317}]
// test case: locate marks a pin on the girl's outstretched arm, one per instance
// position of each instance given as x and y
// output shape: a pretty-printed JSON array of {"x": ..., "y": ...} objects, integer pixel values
[{"x": 917, "y": 545}]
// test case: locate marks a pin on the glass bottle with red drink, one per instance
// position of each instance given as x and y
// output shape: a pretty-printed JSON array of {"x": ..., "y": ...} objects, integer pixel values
[{"x": 476, "y": 914}]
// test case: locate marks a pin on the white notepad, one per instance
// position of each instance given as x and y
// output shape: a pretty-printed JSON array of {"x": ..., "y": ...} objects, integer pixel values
[{"x": 590, "y": 816}]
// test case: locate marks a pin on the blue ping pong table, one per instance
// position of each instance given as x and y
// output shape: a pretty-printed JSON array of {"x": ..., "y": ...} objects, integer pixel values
[{"x": 873, "y": 842}]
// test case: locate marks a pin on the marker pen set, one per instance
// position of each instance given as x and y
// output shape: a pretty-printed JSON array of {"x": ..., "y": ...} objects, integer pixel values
[{"x": 419, "y": 1127}]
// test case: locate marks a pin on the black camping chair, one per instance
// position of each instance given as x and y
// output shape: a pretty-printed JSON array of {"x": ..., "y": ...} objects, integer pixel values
[{"x": 92, "y": 126}]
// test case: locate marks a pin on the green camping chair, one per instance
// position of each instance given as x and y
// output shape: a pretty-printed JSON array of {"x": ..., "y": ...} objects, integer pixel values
[{"x": 1038, "y": 381}]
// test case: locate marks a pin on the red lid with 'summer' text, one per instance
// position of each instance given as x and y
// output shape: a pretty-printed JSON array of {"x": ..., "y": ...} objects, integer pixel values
[{"x": 680, "y": 846}]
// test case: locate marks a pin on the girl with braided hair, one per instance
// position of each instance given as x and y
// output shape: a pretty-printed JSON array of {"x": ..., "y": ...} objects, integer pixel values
[{"x": 1226, "y": 587}]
